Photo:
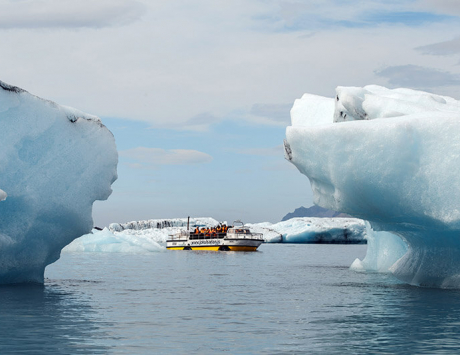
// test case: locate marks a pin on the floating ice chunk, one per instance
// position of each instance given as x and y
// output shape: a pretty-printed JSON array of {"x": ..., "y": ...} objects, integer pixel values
[
  {"x": 393, "y": 160},
  {"x": 107, "y": 242},
  {"x": 54, "y": 163},
  {"x": 313, "y": 230}
]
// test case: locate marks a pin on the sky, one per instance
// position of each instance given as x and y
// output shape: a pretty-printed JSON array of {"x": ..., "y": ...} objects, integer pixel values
[{"x": 197, "y": 93}]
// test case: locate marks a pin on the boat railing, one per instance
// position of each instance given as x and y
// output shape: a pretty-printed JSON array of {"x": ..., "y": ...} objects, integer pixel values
[
  {"x": 207, "y": 236},
  {"x": 245, "y": 236},
  {"x": 182, "y": 235},
  {"x": 185, "y": 235}
]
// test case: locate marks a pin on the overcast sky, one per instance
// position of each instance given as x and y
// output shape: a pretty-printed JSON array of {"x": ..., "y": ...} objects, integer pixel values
[{"x": 197, "y": 93}]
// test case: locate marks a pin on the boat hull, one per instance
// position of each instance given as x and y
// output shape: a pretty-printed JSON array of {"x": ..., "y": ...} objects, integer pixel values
[
  {"x": 194, "y": 248},
  {"x": 230, "y": 248},
  {"x": 242, "y": 248},
  {"x": 215, "y": 244}
]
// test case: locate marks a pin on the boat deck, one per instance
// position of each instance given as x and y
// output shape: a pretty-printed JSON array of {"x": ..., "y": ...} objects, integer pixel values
[{"x": 234, "y": 239}]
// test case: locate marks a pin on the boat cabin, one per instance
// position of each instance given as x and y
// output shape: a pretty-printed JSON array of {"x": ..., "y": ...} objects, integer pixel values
[{"x": 233, "y": 238}]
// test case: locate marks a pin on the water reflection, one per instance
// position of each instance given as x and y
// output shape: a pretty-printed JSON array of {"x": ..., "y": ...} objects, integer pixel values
[
  {"x": 38, "y": 319},
  {"x": 395, "y": 318},
  {"x": 282, "y": 300}
]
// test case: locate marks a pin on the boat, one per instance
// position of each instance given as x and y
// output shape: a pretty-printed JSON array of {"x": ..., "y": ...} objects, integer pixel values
[{"x": 221, "y": 238}]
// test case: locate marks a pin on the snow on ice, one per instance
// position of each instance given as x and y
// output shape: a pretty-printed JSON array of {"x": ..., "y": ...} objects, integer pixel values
[
  {"x": 55, "y": 161},
  {"x": 391, "y": 157}
]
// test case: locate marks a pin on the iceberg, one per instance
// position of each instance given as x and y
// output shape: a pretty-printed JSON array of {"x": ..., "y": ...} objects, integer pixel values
[
  {"x": 313, "y": 230},
  {"x": 390, "y": 157},
  {"x": 107, "y": 241},
  {"x": 55, "y": 161},
  {"x": 163, "y": 223},
  {"x": 136, "y": 237}
]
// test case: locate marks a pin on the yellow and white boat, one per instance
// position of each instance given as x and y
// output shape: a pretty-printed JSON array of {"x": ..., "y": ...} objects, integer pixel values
[{"x": 236, "y": 238}]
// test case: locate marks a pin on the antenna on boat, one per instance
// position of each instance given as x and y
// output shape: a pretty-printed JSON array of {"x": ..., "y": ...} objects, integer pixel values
[{"x": 188, "y": 223}]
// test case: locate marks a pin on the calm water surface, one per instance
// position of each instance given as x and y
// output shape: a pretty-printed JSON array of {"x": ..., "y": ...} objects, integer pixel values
[{"x": 282, "y": 299}]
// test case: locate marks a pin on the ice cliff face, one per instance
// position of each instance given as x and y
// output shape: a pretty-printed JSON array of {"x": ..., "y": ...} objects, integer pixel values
[
  {"x": 163, "y": 223},
  {"x": 391, "y": 157},
  {"x": 310, "y": 230},
  {"x": 55, "y": 161}
]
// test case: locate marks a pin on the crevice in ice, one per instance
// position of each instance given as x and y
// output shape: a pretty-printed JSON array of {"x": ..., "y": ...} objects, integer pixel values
[
  {"x": 287, "y": 150},
  {"x": 72, "y": 118},
  {"x": 10, "y": 88}
]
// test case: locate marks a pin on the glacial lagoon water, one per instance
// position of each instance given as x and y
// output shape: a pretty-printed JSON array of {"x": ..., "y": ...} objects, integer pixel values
[{"x": 282, "y": 299}]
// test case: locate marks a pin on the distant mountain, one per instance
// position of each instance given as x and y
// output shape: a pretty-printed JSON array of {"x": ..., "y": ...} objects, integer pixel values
[{"x": 313, "y": 211}]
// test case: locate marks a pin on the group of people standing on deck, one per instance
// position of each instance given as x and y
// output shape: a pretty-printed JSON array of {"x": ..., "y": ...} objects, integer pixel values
[{"x": 211, "y": 232}]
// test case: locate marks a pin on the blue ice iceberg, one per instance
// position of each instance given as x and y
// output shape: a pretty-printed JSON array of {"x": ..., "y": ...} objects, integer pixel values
[
  {"x": 108, "y": 241},
  {"x": 313, "y": 230},
  {"x": 55, "y": 161},
  {"x": 391, "y": 157}
]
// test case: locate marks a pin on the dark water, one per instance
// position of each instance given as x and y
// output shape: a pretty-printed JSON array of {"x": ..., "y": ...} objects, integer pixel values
[{"x": 283, "y": 299}]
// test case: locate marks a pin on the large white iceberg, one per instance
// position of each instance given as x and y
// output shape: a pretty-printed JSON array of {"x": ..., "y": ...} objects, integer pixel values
[
  {"x": 136, "y": 236},
  {"x": 163, "y": 223},
  {"x": 108, "y": 241},
  {"x": 391, "y": 157},
  {"x": 313, "y": 230},
  {"x": 55, "y": 161}
]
